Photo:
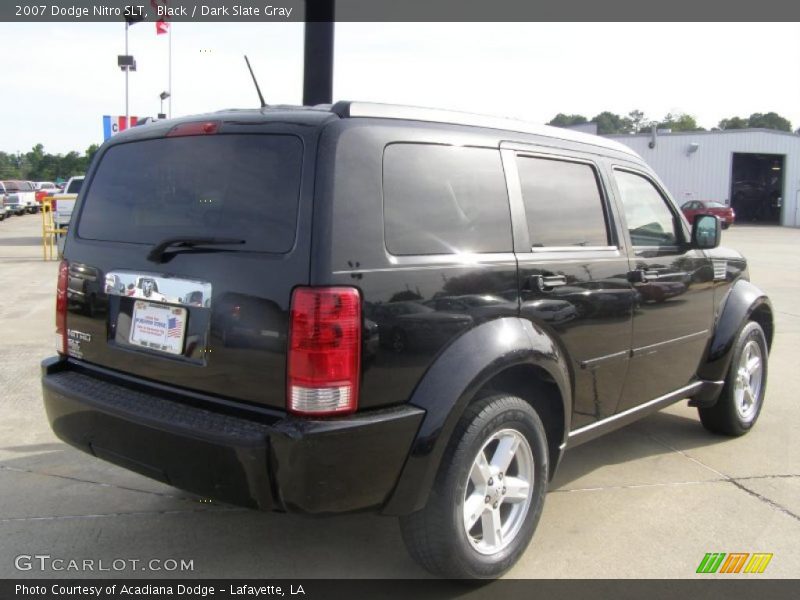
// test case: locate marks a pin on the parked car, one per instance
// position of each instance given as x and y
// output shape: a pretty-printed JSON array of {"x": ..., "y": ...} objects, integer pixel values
[
  {"x": 706, "y": 207},
  {"x": 325, "y": 214},
  {"x": 64, "y": 202},
  {"x": 19, "y": 196},
  {"x": 44, "y": 189}
]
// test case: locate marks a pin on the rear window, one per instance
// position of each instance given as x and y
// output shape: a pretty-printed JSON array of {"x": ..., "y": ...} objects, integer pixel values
[
  {"x": 563, "y": 203},
  {"x": 715, "y": 205},
  {"x": 234, "y": 186},
  {"x": 75, "y": 186},
  {"x": 11, "y": 186},
  {"x": 444, "y": 200}
]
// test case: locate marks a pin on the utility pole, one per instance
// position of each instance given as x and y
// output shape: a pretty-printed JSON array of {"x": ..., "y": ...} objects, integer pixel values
[{"x": 318, "y": 53}]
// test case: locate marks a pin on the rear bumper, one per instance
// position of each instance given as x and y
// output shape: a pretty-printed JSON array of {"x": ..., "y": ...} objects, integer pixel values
[{"x": 270, "y": 463}]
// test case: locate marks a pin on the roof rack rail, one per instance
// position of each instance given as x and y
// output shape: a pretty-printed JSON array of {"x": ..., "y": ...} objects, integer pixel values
[{"x": 352, "y": 109}]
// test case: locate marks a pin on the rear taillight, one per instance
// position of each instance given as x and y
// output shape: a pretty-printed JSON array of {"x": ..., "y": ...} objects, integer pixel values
[
  {"x": 324, "y": 359},
  {"x": 61, "y": 307}
]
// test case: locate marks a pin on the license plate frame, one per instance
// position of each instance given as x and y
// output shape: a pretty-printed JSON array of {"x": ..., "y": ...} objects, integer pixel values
[{"x": 158, "y": 327}]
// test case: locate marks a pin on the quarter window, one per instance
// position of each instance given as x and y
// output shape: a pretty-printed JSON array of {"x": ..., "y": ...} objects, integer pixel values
[
  {"x": 650, "y": 221},
  {"x": 563, "y": 203},
  {"x": 444, "y": 200}
]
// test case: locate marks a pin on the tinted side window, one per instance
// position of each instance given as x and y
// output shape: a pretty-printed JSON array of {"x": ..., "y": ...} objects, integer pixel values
[
  {"x": 650, "y": 221},
  {"x": 563, "y": 203},
  {"x": 444, "y": 200}
]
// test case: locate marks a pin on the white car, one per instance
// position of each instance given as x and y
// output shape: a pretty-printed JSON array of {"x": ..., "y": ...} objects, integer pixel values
[
  {"x": 64, "y": 203},
  {"x": 19, "y": 196}
]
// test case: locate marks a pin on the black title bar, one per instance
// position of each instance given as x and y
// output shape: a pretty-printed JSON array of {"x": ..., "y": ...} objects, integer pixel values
[{"x": 400, "y": 10}]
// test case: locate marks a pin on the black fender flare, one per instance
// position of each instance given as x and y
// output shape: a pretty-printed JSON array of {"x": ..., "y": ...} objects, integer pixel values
[
  {"x": 451, "y": 383},
  {"x": 738, "y": 306}
]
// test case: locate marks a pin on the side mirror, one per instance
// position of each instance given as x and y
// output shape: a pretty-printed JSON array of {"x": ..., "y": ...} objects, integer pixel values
[{"x": 706, "y": 232}]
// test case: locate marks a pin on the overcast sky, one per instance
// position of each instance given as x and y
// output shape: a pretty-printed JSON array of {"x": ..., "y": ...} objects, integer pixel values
[{"x": 61, "y": 78}]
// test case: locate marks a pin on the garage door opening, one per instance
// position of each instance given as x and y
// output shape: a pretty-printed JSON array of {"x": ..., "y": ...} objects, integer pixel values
[{"x": 757, "y": 187}]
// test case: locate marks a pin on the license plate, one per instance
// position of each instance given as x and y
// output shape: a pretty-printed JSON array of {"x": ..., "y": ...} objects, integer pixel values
[{"x": 158, "y": 327}]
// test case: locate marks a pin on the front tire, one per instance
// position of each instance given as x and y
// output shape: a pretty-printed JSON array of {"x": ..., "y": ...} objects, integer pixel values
[
  {"x": 741, "y": 399},
  {"x": 488, "y": 494}
]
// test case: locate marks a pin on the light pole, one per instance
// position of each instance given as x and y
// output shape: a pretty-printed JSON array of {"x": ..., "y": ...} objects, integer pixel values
[
  {"x": 163, "y": 96},
  {"x": 126, "y": 62}
]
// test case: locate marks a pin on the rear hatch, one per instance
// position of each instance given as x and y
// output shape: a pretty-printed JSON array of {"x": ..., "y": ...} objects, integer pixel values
[{"x": 184, "y": 252}]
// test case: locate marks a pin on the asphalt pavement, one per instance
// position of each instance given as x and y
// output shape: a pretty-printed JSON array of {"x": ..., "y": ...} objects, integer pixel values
[{"x": 649, "y": 500}]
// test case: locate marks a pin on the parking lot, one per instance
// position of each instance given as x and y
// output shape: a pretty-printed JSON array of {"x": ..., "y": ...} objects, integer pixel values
[{"x": 647, "y": 501}]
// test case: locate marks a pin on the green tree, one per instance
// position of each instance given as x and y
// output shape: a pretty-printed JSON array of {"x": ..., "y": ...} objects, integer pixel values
[
  {"x": 638, "y": 121},
  {"x": 734, "y": 123},
  {"x": 770, "y": 120},
  {"x": 562, "y": 120},
  {"x": 609, "y": 123},
  {"x": 680, "y": 122},
  {"x": 90, "y": 152},
  {"x": 9, "y": 168}
]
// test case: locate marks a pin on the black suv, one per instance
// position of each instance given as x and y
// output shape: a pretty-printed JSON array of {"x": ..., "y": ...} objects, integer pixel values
[{"x": 242, "y": 341}]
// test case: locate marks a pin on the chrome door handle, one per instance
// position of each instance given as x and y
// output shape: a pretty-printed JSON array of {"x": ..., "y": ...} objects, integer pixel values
[
  {"x": 650, "y": 275},
  {"x": 642, "y": 276},
  {"x": 545, "y": 283}
]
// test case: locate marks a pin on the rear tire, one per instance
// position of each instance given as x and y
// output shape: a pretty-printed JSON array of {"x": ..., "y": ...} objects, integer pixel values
[
  {"x": 742, "y": 396},
  {"x": 493, "y": 476}
]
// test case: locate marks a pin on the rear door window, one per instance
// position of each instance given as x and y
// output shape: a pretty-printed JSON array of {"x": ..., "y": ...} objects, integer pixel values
[
  {"x": 445, "y": 200},
  {"x": 563, "y": 203},
  {"x": 233, "y": 186}
]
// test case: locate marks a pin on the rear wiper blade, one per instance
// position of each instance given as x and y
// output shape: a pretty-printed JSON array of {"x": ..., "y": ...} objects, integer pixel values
[{"x": 157, "y": 253}]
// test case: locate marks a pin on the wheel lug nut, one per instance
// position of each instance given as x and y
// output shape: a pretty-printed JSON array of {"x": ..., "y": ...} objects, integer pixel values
[
  {"x": 504, "y": 490},
  {"x": 491, "y": 481},
  {"x": 488, "y": 499},
  {"x": 500, "y": 476},
  {"x": 495, "y": 505}
]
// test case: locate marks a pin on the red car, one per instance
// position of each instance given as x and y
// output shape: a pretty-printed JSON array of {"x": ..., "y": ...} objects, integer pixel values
[{"x": 706, "y": 207}]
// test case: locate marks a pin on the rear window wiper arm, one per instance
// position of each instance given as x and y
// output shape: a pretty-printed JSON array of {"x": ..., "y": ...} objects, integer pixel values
[{"x": 157, "y": 253}]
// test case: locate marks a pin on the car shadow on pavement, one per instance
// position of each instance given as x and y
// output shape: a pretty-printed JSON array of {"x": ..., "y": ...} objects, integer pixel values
[
  {"x": 127, "y": 514},
  {"x": 660, "y": 437}
]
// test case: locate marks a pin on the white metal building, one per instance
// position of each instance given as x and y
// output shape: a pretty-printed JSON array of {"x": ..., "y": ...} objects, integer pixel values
[{"x": 757, "y": 171}]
